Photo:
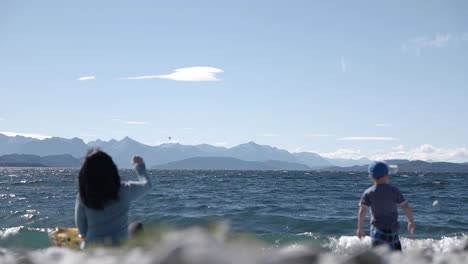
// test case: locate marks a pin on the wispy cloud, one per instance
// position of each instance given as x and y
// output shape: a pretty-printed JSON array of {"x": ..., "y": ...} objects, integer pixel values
[
  {"x": 368, "y": 138},
  {"x": 301, "y": 149},
  {"x": 130, "y": 122},
  {"x": 86, "y": 78},
  {"x": 383, "y": 125},
  {"x": 296, "y": 150},
  {"x": 188, "y": 128},
  {"x": 399, "y": 147},
  {"x": 29, "y": 135},
  {"x": 436, "y": 41},
  {"x": 344, "y": 64},
  {"x": 2, "y": 119},
  {"x": 269, "y": 135},
  {"x": 318, "y": 135},
  {"x": 221, "y": 144},
  {"x": 343, "y": 154},
  {"x": 159, "y": 143},
  {"x": 425, "y": 152},
  {"x": 190, "y": 74},
  {"x": 416, "y": 44}
]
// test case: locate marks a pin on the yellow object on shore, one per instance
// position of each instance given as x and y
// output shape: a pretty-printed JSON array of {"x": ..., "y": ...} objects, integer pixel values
[{"x": 66, "y": 237}]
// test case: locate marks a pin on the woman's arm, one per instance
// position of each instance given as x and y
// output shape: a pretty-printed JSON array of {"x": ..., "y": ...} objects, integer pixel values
[
  {"x": 136, "y": 189},
  {"x": 80, "y": 217}
]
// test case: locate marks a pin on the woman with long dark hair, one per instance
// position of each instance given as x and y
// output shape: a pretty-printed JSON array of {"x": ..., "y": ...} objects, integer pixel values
[{"x": 103, "y": 201}]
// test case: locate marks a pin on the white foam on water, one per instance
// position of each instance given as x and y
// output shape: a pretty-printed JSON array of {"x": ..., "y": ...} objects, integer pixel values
[
  {"x": 27, "y": 216},
  {"x": 4, "y": 233},
  {"x": 351, "y": 244},
  {"x": 347, "y": 244},
  {"x": 443, "y": 245},
  {"x": 14, "y": 231},
  {"x": 7, "y": 195},
  {"x": 309, "y": 234}
]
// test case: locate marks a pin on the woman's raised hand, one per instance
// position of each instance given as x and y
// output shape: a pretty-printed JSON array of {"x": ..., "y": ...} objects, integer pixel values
[{"x": 137, "y": 160}]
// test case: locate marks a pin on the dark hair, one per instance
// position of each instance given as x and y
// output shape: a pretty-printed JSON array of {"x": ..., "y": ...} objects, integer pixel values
[{"x": 99, "y": 180}]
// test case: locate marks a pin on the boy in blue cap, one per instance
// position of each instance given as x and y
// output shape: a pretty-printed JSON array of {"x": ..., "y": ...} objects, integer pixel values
[{"x": 383, "y": 199}]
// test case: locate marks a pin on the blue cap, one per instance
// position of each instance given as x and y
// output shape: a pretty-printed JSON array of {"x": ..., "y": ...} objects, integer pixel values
[{"x": 378, "y": 169}]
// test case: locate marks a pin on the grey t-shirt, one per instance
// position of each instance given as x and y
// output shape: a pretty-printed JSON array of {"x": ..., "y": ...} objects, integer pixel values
[{"x": 383, "y": 200}]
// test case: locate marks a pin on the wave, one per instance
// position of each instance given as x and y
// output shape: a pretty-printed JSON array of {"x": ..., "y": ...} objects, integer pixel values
[
  {"x": 351, "y": 244},
  {"x": 24, "y": 237}
]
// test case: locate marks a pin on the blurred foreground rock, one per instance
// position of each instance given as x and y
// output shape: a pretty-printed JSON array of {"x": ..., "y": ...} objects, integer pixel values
[{"x": 197, "y": 246}]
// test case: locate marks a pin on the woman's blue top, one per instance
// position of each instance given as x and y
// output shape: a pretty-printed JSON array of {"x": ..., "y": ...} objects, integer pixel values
[{"x": 110, "y": 224}]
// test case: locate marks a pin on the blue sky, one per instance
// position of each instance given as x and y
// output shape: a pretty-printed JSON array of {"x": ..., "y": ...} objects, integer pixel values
[{"x": 340, "y": 78}]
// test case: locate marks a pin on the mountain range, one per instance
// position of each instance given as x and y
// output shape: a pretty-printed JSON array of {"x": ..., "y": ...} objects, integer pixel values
[
  {"x": 27, "y": 160},
  {"x": 122, "y": 151},
  {"x": 61, "y": 152}
]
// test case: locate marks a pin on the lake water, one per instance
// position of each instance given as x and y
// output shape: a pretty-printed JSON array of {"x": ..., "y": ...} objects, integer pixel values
[{"x": 279, "y": 208}]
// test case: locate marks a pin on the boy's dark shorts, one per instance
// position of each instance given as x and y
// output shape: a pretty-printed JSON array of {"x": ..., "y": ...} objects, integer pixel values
[{"x": 382, "y": 237}]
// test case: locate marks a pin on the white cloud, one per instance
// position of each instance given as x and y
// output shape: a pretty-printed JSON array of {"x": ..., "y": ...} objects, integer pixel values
[
  {"x": 368, "y": 138},
  {"x": 415, "y": 45},
  {"x": 269, "y": 135},
  {"x": 297, "y": 149},
  {"x": 190, "y": 74},
  {"x": 221, "y": 144},
  {"x": 425, "y": 152},
  {"x": 2, "y": 119},
  {"x": 399, "y": 147},
  {"x": 436, "y": 41},
  {"x": 426, "y": 148},
  {"x": 86, "y": 78},
  {"x": 343, "y": 154},
  {"x": 344, "y": 64},
  {"x": 130, "y": 122},
  {"x": 383, "y": 125},
  {"x": 301, "y": 149},
  {"x": 318, "y": 135},
  {"x": 29, "y": 135},
  {"x": 188, "y": 128}
]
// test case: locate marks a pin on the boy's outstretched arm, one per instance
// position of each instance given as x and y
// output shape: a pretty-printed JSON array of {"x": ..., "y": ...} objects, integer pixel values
[
  {"x": 409, "y": 215},
  {"x": 361, "y": 217}
]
